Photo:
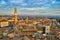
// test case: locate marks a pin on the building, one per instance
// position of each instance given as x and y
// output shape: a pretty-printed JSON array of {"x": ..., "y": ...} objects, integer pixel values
[{"x": 15, "y": 16}]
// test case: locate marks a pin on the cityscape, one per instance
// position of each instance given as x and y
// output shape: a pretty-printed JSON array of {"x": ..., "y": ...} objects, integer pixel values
[
  {"x": 17, "y": 28},
  {"x": 29, "y": 19}
]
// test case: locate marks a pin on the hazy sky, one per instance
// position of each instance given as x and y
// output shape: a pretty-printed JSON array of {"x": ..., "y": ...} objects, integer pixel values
[{"x": 30, "y": 7}]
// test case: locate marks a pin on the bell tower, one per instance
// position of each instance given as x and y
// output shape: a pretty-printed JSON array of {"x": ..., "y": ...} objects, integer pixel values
[{"x": 15, "y": 16}]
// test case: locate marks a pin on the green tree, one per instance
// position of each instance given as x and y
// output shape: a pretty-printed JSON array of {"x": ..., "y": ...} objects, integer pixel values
[{"x": 58, "y": 26}]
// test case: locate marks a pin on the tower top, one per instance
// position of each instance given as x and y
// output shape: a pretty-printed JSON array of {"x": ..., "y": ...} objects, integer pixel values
[{"x": 15, "y": 11}]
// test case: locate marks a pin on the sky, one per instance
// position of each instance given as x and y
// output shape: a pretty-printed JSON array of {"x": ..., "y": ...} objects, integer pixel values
[{"x": 30, "y": 7}]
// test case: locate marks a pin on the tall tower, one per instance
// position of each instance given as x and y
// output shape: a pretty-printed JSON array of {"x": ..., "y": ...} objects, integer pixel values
[
  {"x": 26, "y": 20},
  {"x": 15, "y": 16}
]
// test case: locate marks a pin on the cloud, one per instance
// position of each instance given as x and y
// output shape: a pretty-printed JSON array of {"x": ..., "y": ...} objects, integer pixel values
[
  {"x": 42, "y": 4},
  {"x": 24, "y": 4},
  {"x": 3, "y": 2},
  {"x": 16, "y": 1},
  {"x": 40, "y": 12},
  {"x": 32, "y": 9},
  {"x": 55, "y": 2}
]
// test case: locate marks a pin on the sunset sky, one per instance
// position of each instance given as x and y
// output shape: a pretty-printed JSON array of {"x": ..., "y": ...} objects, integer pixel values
[{"x": 30, "y": 7}]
